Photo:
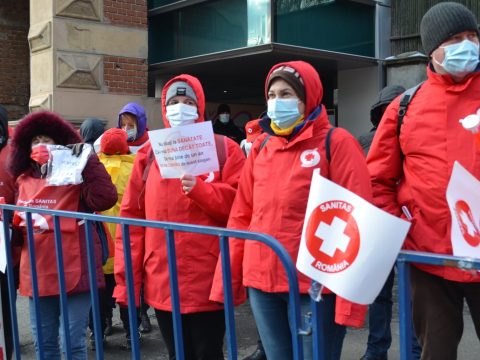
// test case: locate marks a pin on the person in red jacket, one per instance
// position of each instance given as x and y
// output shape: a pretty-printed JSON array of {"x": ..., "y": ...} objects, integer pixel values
[
  {"x": 272, "y": 198},
  {"x": 28, "y": 163},
  {"x": 200, "y": 200},
  {"x": 7, "y": 191},
  {"x": 411, "y": 170}
]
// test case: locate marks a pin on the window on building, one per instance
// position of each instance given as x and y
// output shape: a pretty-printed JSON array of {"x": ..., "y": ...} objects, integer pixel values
[{"x": 341, "y": 25}]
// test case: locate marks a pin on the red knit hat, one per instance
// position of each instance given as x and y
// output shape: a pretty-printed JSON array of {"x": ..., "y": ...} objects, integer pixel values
[
  {"x": 253, "y": 129},
  {"x": 114, "y": 142}
]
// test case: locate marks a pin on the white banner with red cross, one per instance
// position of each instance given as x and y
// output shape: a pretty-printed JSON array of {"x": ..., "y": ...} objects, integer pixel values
[
  {"x": 463, "y": 194},
  {"x": 348, "y": 245}
]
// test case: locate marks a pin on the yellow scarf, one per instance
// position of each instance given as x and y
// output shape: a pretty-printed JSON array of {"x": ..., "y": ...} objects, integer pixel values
[{"x": 287, "y": 131}]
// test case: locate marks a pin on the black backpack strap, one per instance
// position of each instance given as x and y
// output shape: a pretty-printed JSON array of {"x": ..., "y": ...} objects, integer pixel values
[
  {"x": 264, "y": 142},
  {"x": 328, "y": 141},
  {"x": 405, "y": 100},
  {"x": 222, "y": 150}
]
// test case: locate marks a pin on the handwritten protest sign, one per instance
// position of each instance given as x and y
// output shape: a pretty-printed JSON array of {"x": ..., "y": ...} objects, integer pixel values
[
  {"x": 64, "y": 168},
  {"x": 188, "y": 149}
]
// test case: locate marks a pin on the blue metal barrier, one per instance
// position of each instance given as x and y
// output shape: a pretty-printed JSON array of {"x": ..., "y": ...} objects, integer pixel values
[
  {"x": 170, "y": 228},
  {"x": 404, "y": 306},
  {"x": 404, "y": 258}
]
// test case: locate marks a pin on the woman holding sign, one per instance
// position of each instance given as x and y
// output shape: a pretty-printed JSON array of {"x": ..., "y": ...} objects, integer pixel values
[
  {"x": 201, "y": 200},
  {"x": 272, "y": 198},
  {"x": 96, "y": 192}
]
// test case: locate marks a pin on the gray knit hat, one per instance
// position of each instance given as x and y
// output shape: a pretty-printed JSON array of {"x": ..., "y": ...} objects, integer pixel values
[
  {"x": 444, "y": 20},
  {"x": 180, "y": 88}
]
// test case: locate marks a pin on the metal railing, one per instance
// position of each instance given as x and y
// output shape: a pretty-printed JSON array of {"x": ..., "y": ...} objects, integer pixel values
[
  {"x": 403, "y": 265},
  {"x": 170, "y": 229},
  {"x": 404, "y": 305}
]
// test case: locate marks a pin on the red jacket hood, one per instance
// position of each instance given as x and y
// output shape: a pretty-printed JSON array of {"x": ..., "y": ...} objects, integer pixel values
[
  {"x": 197, "y": 88},
  {"x": 311, "y": 80}
]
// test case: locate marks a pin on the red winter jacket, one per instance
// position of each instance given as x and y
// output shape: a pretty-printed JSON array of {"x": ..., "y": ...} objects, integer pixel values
[
  {"x": 95, "y": 193},
  {"x": 7, "y": 182},
  {"x": 414, "y": 169},
  {"x": 273, "y": 194},
  {"x": 208, "y": 203}
]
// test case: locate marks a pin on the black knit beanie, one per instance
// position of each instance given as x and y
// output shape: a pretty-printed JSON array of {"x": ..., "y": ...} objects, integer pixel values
[{"x": 444, "y": 20}]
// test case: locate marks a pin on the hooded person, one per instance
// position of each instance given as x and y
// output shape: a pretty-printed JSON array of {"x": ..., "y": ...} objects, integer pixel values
[
  {"x": 7, "y": 183},
  {"x": 133, "y": 120},
  {"x": 95, "y": 193},
  {"x": 272, "y": 198},
  {"x": 225, "y": 126},
  {"x": 385, "y": 97},
  {"x": 252, "y": 131},
  {"x": 411, "y": 169},
  {"x": 201, "y": 200},
  {"x": 7, "y": 191},
  {"x": 114, "y": 154},
  {"x": 91, "y": 129}
]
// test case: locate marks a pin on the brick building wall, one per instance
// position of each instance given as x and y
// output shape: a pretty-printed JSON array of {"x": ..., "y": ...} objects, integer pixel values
[
  {"x": 123, "y": 75},
  {"x": 14, "y": 57},
  {"x": 126, "y": 12}
]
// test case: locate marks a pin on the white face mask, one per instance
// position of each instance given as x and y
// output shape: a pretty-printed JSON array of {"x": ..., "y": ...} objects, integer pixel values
[
  {"x": 460, "y": 58},
  {"x": 283, "y": 112},
  {"x": 181, "y": 114},
  {"x": 224, "y": 118}
]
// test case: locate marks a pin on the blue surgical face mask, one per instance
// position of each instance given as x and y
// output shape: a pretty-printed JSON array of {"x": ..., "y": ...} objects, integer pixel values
[
  {"x": 460, "y": 58},
  {"x": 181, "y": 114},
  {"x": 283, "y": 112},
  {"x": 131, "y": 134}
]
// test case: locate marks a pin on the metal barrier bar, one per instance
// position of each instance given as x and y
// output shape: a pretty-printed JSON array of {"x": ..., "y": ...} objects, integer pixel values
[
  {"x": 61, "y": 287},
  {"x": 294, "y": 298},
  {"x": 318, "y": 340},
  {"x": 228, "y": 298},
  {"x": 35, "y": 295},
  {"x": 175, "y": 296},
  {"x": 132, "y": 307},
  {"x": 92, "y": 280},
  {"x": 405, "y": 311},
  {"x": 12, "y": 291}
]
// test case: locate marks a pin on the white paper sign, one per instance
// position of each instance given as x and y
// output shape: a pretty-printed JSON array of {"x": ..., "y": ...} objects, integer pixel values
[
  {"x": 3, "y": 250},
  {"x": 64, "y": 168},
  {"x": 188, "y": 149},
  {"x": 348, "y": 245},
  {"x": 463, "y": 195}
]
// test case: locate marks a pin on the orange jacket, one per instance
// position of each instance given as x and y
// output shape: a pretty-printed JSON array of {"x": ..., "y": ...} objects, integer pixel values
[
  {"x": 208, "y": 203},
  {"x": 273, "y": 194},
  {"x": 414, "y": 169}
]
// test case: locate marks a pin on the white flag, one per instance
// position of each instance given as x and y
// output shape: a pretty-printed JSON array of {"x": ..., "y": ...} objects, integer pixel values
[
  {"x": 463, "y": 193},
  {"x": 348, "y": 245}
]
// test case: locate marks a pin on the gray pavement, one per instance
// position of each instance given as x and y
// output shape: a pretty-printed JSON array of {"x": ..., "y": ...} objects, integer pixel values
[{"x": 152, "y": 346}]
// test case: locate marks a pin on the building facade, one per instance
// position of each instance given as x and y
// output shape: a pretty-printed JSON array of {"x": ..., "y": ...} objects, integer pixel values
[{"x": 84, "y": 58}]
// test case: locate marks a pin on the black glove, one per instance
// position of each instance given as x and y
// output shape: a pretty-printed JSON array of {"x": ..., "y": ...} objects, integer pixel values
[{"x": 76, "y": 148}]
